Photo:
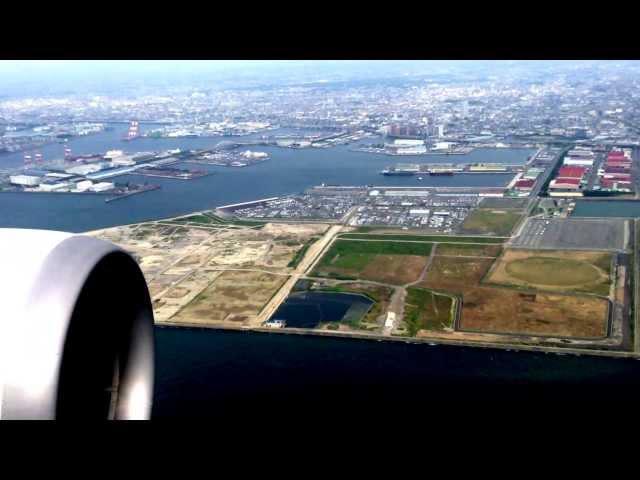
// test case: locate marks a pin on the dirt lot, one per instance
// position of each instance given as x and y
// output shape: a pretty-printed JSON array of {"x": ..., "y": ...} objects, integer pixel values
[
  {"x": 236, "y": 297},
  {"x": 180, "y": 262},
  {"x": 557, "y": 270}
]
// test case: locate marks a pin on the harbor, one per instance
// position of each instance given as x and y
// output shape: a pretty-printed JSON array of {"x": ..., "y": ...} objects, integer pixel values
[
  {"x": 288, "y": 171},
  {"x": 441, "y": 169}
]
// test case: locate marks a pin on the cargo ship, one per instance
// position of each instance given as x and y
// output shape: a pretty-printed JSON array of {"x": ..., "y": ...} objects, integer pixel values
[
  {"x": 439, "y": 173},
  {"x": 393, "y": 172}
]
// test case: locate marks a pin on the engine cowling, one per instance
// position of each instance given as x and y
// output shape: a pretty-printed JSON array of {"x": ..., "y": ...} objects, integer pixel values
[{"x": 76, "y": 329}]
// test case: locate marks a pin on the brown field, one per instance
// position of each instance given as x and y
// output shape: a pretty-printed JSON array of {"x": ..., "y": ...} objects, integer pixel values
[
  {"x": 468, "y": 250},
  {"x": 453, "y": 273},
  {"x": 394, "y": 269},
  {"x": 507, "y": 311},
  {"x": 235, "y": 296},
  {"x": 557, "y": 270},
  {"x": 502, "y": 310}
]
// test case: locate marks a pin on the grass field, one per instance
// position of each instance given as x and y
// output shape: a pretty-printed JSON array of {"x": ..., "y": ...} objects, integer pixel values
[
  {"x": 427, "y": 310},
  {"x": 491, "y": 221},
  {"x": 555, "y": 270},
  {"x": 493, "y": 309},
  {"x": 345, "y": 247},
  {"x": 422, "y": 238},
  {"x": 468, "y": 250},
  {"x": 201, "y": 219},
  {"x": 388, "y": 262}
]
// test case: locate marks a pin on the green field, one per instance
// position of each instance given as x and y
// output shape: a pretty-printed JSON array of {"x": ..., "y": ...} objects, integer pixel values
[
  {"x": 345, "y": 249},
  {"x": 488, "y": 221},
  {"x": 388, "y": 262},
  {"x": 427, "y": 310},
  {"x": 201, "y": 219},
  {"x": 423, "y": 238}
]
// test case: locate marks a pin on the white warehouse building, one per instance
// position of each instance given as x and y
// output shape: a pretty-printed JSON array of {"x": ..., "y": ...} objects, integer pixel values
[
  {"x": 25, "y": 180},
  {"x": 582, "y": 162}
]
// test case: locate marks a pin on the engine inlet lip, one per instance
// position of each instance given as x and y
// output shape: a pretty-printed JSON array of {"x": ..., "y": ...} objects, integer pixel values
[{"x": 34, "y": 365}]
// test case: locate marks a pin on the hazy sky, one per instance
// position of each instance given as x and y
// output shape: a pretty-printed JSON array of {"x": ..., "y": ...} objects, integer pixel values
[{"x": 53, "y": 77}]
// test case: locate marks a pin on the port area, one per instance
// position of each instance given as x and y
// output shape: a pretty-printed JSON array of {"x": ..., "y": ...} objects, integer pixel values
[
  {"x": 227, "y": 154},
  {"x": 409, "y": 169},
  {"x": 90, "y": 174},
  {"x": 169, "y": 172},
  {"x": 325, "y": 138},
  {"x": 421, "y": 209},
  {"x": 402, "y": 150}
]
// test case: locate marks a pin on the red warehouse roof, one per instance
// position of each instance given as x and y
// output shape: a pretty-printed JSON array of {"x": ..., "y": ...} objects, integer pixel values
[{"x": 571, "y": 172}]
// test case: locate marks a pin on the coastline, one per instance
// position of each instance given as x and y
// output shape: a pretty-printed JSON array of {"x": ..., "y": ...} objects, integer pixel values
[{"x": 431, "y": 341}]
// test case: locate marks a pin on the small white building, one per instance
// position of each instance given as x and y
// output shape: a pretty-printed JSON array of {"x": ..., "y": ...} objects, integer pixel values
[
  {"x": 582, "y": 162},
  {"x": 407, "y": 142},
  {"x": 390, "y": 320},
  {"x": 250, "y": 154},
  {"x": 276, "y": 323},
  {"x": 418, "y": 211},
  {"x": 442, "y": 146},
  {"x": 111, "y": 154},
  {"x": 84, "y": 185}
]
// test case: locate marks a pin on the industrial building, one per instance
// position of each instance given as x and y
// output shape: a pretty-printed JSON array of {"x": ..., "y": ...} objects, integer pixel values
[{"x": 25, "y": 180}]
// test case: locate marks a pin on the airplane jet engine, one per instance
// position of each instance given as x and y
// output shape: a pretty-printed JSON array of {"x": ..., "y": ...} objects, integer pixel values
[{"x": 76, "y": 329}]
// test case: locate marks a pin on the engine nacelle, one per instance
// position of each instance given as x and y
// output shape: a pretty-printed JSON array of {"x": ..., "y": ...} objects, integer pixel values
[{"x": 76, "y": 329}]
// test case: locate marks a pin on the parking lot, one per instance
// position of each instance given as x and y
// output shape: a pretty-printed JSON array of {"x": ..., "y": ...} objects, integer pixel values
[{"x": 579, "y": 234}]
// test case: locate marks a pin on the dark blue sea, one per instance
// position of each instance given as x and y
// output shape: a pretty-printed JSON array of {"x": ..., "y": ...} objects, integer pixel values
[{"x": 209, "y": 373}]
